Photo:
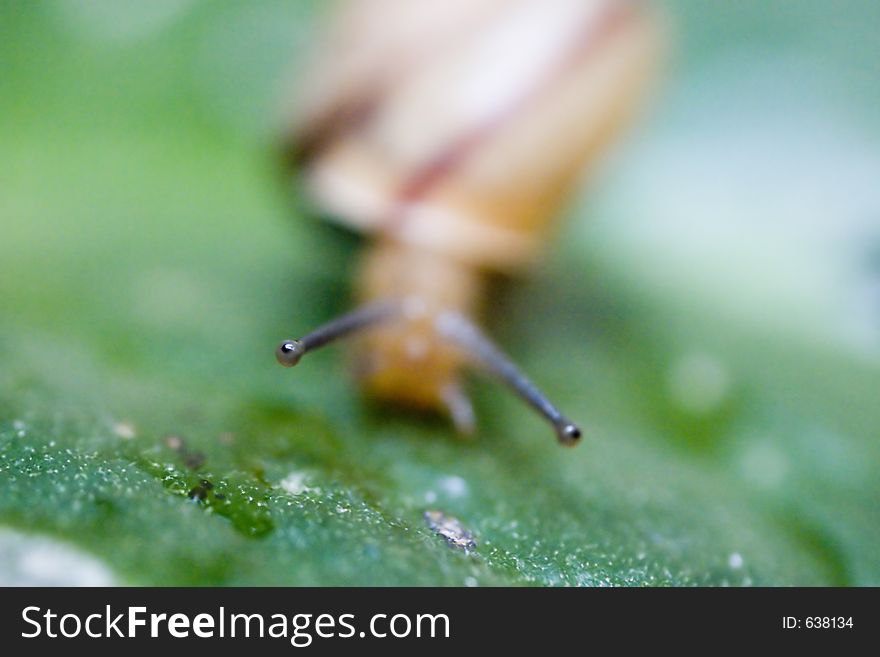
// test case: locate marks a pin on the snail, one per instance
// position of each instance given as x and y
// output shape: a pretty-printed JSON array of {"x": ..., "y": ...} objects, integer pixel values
[{"x": 451, "y": 133}]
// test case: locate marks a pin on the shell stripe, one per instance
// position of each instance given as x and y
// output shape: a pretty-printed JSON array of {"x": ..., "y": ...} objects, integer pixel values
[{"x": 594, "y": 34}]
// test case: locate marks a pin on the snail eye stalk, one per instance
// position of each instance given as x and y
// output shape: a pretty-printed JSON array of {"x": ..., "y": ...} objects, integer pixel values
[
  {"x": 290, "y": 352},
  {"x": 461, "y": 331}
]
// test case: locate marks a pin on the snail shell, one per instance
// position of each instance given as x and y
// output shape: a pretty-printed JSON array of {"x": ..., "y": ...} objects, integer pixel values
[{"x": 460, "y": 126}]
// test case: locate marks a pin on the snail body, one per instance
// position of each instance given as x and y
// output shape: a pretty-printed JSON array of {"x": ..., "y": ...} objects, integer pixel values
[{"x": 451, "y": 133}]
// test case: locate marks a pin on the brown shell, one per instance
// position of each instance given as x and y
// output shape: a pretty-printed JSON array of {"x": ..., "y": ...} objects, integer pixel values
[{"x": 460, "y": 126}]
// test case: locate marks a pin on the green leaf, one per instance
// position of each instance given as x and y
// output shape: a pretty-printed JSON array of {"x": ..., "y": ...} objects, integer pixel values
[{"x": 152, "y": 257}]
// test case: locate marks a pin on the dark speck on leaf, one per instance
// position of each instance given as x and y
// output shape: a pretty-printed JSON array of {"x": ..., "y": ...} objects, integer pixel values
[{"x": 200, "y": 492}]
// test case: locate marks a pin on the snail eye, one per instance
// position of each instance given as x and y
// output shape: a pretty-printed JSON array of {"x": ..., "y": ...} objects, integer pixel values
[
  {"x": 290, "y": 352},
  {"x": 569, "y": 434}
]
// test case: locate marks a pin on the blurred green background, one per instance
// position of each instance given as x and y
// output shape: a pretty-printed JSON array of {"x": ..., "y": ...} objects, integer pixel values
[{"x": 711, "y": 314}]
